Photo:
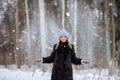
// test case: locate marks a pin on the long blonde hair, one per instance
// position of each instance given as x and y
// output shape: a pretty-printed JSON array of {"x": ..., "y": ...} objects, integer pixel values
[{"x": 69, "y": 44}]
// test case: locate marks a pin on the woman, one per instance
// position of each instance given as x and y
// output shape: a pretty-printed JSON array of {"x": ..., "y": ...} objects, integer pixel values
[{"x": 62, "y": 56}]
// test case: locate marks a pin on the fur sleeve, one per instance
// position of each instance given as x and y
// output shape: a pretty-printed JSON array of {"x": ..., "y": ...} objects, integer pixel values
[
  {"x": 74, "y": 59},
  {"x": 50, "y": 58}
]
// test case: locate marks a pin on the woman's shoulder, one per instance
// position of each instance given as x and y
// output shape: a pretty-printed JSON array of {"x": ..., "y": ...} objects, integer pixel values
[
  {"x": 72, "y": 45},
  {"x": 55, "y": 46}
]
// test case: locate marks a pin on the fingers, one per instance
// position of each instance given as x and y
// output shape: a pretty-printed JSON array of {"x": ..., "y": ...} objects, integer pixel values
[
  {"x": 41, "y": 60},
  {"x": 85, "y": 62}
]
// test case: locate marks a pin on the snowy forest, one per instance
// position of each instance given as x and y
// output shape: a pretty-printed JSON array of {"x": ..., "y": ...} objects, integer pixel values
[{"x": 29, "y": 29}]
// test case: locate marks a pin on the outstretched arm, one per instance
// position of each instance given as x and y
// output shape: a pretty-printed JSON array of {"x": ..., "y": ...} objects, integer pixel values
[
  {"x": 50, "y": 58},
  {"x": 74, "y": 59}
]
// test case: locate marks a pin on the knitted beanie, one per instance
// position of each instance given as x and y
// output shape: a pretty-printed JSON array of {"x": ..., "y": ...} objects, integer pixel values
[{"x": 63, "y": 32}]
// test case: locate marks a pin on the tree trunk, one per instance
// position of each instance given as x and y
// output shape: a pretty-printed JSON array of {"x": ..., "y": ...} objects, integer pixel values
[
  {"x": 28, "y": 32},
  {"x": 113, "y": 33},
  {"x": 107, "y": 33},
  {"x": 16, "y": 35},
  {"x": 63, "y": 13},
  {"x": 42, "y": 30},
  {"x": 19, "y": 23}
]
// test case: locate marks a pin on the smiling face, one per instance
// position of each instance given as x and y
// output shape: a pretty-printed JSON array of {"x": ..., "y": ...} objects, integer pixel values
[{"x": 63, "y": 38}]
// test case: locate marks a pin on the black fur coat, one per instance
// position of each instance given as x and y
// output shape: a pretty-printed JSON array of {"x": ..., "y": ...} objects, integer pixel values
[{"x": 62, "y": 59}]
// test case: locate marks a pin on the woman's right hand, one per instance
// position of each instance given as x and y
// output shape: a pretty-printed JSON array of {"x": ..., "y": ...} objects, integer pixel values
[
  {"x": 41, "y": 60},
  {"x": 85, "y": 62}
]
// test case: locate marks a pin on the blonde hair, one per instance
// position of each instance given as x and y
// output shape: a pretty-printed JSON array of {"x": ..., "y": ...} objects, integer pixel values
[{"x": 69, "y": 44}]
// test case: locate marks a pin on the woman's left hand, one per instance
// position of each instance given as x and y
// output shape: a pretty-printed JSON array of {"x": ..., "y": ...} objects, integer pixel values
[{"x": 85, "y": 62}]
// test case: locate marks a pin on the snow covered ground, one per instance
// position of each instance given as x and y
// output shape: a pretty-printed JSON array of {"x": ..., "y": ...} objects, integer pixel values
[{"x": 89, "y": 74}]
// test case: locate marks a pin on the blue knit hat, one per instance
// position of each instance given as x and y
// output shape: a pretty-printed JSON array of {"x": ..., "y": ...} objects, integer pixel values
[{"x": 63, "y": 32}]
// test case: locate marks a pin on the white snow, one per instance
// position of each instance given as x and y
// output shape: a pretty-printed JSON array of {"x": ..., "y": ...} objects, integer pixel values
[{"x": 87, "y": 74}]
